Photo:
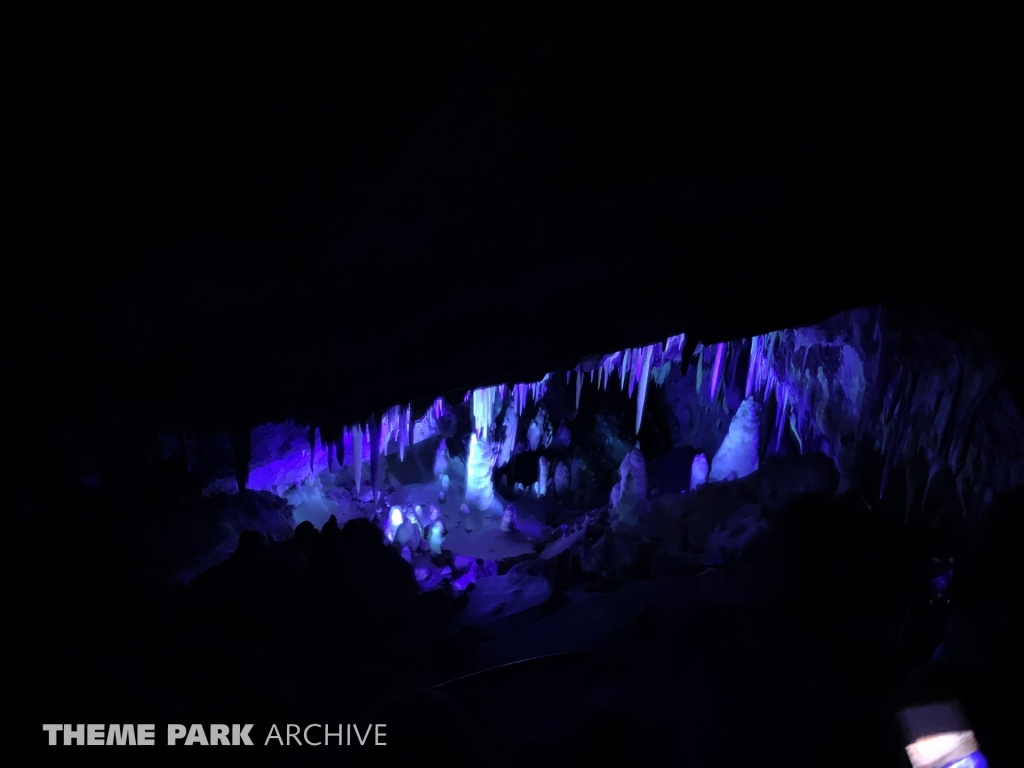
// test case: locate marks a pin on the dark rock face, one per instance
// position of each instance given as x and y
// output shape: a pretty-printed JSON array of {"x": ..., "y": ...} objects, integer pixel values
[{"x": 191, "y": 535}]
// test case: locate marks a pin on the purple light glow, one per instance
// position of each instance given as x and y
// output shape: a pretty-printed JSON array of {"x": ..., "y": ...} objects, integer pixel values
[
  {"x": 281, "y": 457},
  {"x": 716, "y": 368}
]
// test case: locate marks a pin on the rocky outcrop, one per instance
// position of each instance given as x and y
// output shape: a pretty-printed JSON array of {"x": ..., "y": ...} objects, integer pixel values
[{"x": 900, "y": 409}]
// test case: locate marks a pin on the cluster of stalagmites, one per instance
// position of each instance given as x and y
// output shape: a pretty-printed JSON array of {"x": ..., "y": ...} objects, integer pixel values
[{"x": 411, "y": 527}]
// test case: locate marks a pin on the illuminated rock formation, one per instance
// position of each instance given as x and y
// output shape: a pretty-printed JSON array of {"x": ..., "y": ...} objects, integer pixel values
[
  {"x": 736, "y": 457},
  {"x": 698, "y": 471},
  {"x": 629, "y": 496},
  {"x": 479, "y": 465}
]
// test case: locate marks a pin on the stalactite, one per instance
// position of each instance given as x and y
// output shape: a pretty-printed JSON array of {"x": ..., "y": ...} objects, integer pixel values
[
  {"x": 716, "y": 368},
  {"x": 752, "y": 366},
  {"x": 644, "y": 376},
  {"x": 403, "y": 432},
  {"x": 483, "y": 410},
  {"x": 374, "y": 431},
  {"x": 357, "y": 457},
  {"x": 635, "y": 362}
]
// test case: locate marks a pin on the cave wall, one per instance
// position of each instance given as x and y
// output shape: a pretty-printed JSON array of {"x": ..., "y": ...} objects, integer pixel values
[{"x": 902, "y": 410}]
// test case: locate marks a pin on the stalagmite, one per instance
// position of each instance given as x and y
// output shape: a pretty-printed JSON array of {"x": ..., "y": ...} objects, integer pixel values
[
  {"x": 561, "y": 478},
  {"x": 480, "y": 463},
  {"x": 736, "y": 457},
  {"x": 404, "y": 536},
  {"x": 629, "y": 496},
  {"x": 542, "y": 476},
  {"x": 509, "y": 522},
  {"x": 436, "y": 537},
  {"x": 394, "y": 522},
  {"x": 441, "y": 459},
  {"x": 579, "y": 387},
  {"x": 698, "y": 471}
]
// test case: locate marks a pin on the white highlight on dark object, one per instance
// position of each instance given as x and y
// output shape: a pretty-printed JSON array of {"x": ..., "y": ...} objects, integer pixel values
[{"x": 938, "y": 736}]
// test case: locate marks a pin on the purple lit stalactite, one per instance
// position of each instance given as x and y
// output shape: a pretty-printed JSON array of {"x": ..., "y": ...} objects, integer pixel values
[
  {"x": 634, "y": 365},
  {"x": 357, "y": 457},
  {"x": 752, "y": 367},
  {"x": 716, "y": 368},
  {"x": 374, "y": 431},
  {"x": 780, "y": 416},
  {"x": 403, "y": 432},
  {"x": 483, "y": 410},
  {"x": 645, "y": 375}
]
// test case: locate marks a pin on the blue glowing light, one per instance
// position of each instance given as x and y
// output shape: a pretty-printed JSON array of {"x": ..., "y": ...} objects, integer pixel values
[{"x": 973, "y": 760}]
